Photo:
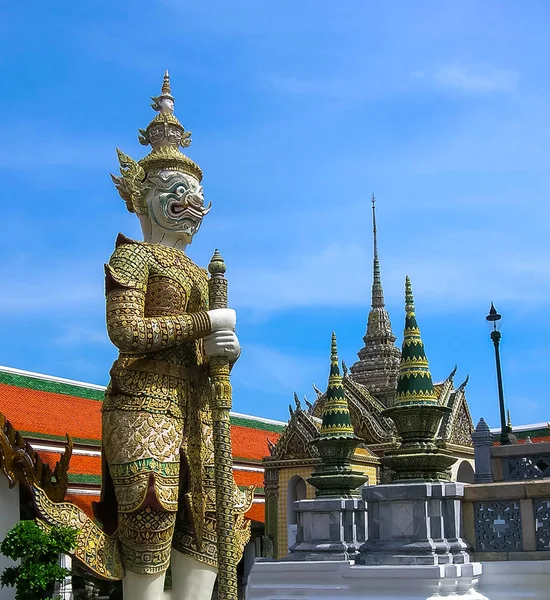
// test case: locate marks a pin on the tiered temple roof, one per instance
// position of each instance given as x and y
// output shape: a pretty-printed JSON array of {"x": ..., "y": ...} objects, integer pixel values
[
  {"x": 43, "y": 409},
  {"x": 371, "y": 385},
  {"x": 295, "y": 444},
  {"x": 379, "y": 432}
]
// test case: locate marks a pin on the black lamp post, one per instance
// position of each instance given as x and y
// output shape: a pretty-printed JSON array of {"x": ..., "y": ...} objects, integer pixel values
[{"x": 493, "y": 318}]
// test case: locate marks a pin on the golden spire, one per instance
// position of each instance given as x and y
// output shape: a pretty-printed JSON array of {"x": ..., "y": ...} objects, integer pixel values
[
  {"x": 166, "y": 135},
  {"x": 414, "y": 384},
  {"x": 166, "y": 83},
  {"x": 377, "y": 293},
  {"x": 378, "y": 363}
]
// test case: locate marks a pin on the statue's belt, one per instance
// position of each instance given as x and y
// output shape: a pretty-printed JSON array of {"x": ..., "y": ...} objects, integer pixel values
[{"x": 158, "y": 367}]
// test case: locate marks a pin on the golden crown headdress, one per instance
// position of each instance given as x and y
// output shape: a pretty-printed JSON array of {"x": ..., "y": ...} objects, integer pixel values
[{"x": 165, "y": 134}]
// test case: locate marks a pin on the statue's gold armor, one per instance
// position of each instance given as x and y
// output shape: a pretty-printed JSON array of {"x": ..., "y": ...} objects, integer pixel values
[{"x": 157, "y": 425}]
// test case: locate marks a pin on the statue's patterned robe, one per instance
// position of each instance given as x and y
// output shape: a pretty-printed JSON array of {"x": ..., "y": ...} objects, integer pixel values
[{"x": 157, "y": 426}]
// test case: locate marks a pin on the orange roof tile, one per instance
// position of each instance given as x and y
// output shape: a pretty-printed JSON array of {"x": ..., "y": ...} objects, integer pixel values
[
  {"x": 256, "y": 512},
  {"x": 246, "y": 478},
  {"x": 535, "y": 440},
  {"x": 79, "y": 464},
  {"x": 51, "y": 413},
  {"x": 83, "y": 502},
  {"x": 251, "y": 443}
]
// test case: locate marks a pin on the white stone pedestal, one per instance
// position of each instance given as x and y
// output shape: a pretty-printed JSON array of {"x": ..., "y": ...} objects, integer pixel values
[
  {"x": 271, "y": 580},
  {"x": 414, "y": 524},
  {"x": 329, "y": 529},
  {"x": 516, "y": 580}
]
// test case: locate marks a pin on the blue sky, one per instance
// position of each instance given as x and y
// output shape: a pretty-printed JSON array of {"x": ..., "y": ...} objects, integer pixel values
[{"x": 299, "y": 111}]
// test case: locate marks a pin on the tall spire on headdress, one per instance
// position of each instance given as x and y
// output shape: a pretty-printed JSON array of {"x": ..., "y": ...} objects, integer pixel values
[
  {"x": 166, "y": 83},
  {"x": 414, "y": 385},
  {"x": 378, "y": 362},
  {"x": 166, "y": 135}
]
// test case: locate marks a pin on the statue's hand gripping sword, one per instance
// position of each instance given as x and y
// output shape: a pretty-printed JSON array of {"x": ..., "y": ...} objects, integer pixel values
[{"x": 223, "y": 467}]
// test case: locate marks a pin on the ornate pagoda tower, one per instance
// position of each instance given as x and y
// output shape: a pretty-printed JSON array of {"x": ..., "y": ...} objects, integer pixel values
[
  {"x": 417, "y": 412},
  {"x": 378, "y": 365},
  {"x": 336, "y": 441}
]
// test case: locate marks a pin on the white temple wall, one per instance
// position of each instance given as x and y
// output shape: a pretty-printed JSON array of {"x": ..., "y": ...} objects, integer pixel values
[
  {"x": 460, "y": 467},
  {"x": 9, "y": 516}
]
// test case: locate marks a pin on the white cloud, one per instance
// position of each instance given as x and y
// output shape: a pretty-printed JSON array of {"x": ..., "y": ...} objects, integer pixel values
[
  {"x": 37, "y": 143},
  {"x": 470, "y": 79},
  {"x": 453, "y": 269},
  {"x": 264, "y": 368},
  {"x": 325, "y": 278},
  {"x": 32, "y": 288},
  {"x": 76, "y": 335},
  {"x": 347, "y": 88}
]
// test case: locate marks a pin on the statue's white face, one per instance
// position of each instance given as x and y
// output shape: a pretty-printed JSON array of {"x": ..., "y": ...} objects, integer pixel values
[
  {"x": 167, "y": 105},
  {"x": 175, "y": 204}
]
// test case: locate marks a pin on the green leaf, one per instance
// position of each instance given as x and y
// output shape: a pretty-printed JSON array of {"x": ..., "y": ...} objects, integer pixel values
[
  {"x": 9, "y": 576},
  {"x": 38, "y": 551}
]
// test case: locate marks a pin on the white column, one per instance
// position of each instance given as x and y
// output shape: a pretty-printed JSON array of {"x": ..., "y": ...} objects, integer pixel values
[
  {"x": 66, "y": 586},
  {"x": 9, "y": 517}
]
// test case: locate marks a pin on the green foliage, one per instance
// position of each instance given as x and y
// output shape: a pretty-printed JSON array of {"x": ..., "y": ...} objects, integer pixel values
[{"x": 38, "y": 551}]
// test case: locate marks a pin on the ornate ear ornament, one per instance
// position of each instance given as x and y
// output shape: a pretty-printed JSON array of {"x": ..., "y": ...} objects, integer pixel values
[
  {"x": 130, "y": 184},
  {"x": 165, "y": 134}
]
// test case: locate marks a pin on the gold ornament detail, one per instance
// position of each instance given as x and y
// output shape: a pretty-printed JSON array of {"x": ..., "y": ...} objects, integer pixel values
[
  {"x": 130, "y": 183},
  {"x": 20, "y": 463},
  {"x": 97, "y": 551},
  {"x": 170, "y": 158}
]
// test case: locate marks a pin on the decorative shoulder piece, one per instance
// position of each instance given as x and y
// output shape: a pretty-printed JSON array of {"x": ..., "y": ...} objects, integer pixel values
[
  {"x": 115, "y": 281},
  {"x": 122, "y": 240}
]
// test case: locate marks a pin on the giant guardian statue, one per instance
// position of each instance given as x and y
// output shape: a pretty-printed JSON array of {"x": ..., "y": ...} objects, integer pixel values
[{"x": 166, "y": 408}]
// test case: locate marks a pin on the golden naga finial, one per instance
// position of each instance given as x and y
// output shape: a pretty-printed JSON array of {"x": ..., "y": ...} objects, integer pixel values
[{"x": 166, "y": 83}]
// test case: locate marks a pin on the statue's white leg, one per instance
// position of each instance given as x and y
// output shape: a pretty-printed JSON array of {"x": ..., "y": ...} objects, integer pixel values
[
  {"x": 143, "y": 587},
  {"x": 191, "y": 579}
]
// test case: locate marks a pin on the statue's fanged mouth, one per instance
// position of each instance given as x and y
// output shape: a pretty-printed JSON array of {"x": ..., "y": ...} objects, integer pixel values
[{"x": 176, "y": 209}]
